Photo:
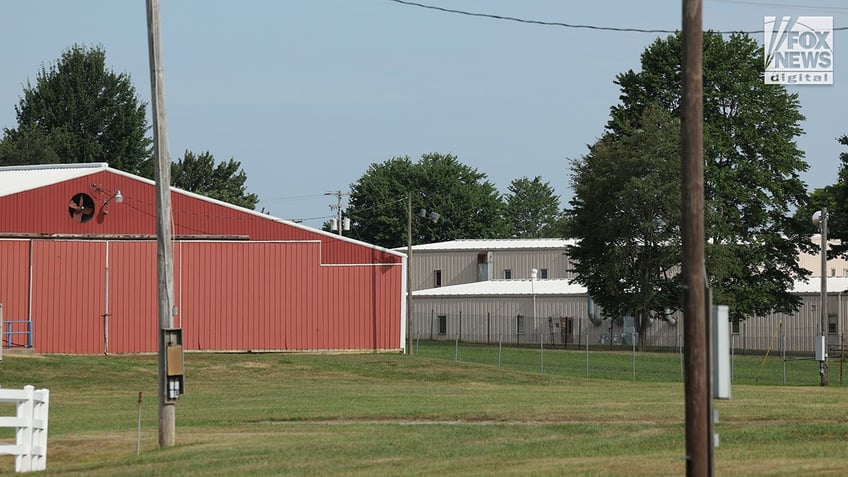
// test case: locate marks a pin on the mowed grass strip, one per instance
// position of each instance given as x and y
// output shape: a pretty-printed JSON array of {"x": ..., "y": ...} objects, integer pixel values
[{"x": 380, "y": 414}]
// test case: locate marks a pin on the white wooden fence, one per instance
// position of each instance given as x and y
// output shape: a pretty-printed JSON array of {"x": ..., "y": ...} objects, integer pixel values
[{"x": 30, "y": 447}]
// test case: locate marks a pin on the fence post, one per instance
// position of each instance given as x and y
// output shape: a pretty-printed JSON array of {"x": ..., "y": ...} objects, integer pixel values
[
  {"x": 841, "y": 356},
  {"x": 732, "y": 355},
  {"x": 456, "y": 348},
  {"x": 633, "y": 339},
  {"x": 30, "y": 423},
  {"x": 542, "y": 351},
  {"x": 500, "y": 348},
  {"x": 488, "y": 326},
  {"x": 587, "y": 355},
  {"x": 680, "y": 354},
  {"x": 783, "y": 353},
  {"x": 24, "y": 432}
]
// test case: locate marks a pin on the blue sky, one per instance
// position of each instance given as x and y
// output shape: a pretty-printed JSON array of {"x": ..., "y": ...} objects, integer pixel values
[{"x": 306, "y": 94}]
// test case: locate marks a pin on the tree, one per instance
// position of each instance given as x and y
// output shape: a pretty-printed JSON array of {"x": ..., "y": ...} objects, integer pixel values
[
  {"x": 752, "y": 167},
  {"x": 468, "y": 204},
  {"x": 835, "y": 198},
  {"x": 225, "y": 182},
  {"x": 532, "y": 209},
  {"x": 78, "y": 112},
  {"x": 625, "y": 214}
]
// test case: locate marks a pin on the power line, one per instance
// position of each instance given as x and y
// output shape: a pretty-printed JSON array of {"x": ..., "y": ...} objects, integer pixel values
[{"x": 561, "y": 24}]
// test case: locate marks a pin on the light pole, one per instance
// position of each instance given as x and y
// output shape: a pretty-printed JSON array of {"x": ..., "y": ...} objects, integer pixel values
[
  {"x": 820, "y": 218},
  {"x": 409, "y": 273},
  {"x": 434, "y": 217}
]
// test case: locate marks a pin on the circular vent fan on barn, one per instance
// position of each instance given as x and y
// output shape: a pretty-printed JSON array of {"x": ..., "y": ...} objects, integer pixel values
[{"x": 81, "y": 208}]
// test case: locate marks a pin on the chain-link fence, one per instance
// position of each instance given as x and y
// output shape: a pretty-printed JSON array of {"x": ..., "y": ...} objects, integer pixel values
[{"x": 625, "y": 361}]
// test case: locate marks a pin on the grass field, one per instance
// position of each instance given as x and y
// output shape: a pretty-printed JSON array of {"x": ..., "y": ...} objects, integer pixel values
[{"x": 381, "y": 414}]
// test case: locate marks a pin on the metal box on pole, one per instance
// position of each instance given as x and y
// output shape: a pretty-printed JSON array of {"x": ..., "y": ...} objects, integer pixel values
[{"x": 172, "y": 343}]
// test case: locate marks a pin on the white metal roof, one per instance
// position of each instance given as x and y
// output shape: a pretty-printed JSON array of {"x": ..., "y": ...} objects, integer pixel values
[
  {"x": 553, "y": 287},
  {"x": 834, "y": 285},
  {"x": 560, "y": 287},
  {"x": 494, "y": 244},
  {"x": 14, "y": 179}
]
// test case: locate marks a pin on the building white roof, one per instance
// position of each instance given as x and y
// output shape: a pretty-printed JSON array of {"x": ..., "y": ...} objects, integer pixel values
[
  {"x": 553, "y": 287},
  {"x": 834, "y": 285},
  {"x": 562, "y": 287},
  {"x": 494, "y": 244},
  {"x": 23, "y": 178}
]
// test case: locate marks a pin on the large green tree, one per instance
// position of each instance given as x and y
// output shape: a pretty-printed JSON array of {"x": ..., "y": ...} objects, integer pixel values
[
  {"x": 625, "y": 214},
  {"x": 752, "y": 166},
  {"x": 532, "y": 209},
  {"x": 835, "y": 198},
  {"x": 224, "y": 181},
  {"x": 79, "y": 111},
  {"x": 469, "y": 205}
]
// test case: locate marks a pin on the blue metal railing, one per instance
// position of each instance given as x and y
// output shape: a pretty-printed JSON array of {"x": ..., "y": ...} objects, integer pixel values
[{"x": 14, "y": 328}]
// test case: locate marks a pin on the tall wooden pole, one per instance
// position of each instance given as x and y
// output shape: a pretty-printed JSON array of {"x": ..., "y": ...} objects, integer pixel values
[
  {"x": 167, "y": 412},
  {"x": 698, "y": 440}
]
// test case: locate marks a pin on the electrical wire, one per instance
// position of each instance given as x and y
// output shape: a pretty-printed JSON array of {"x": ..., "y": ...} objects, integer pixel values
[{"x": 561, "y": 24}]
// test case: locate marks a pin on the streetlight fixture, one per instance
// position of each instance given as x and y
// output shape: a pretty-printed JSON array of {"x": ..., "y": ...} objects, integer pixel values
[
  {"x": 117, "y": 197},
  {"x": 433, "y": 217},
  {"x": 820, "y": 218}
]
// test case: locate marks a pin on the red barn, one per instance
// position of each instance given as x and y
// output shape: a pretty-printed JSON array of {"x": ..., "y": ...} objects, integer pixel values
[{"x": 78, "y": 272}]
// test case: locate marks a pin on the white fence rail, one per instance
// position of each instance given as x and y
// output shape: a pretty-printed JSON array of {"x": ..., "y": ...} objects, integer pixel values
[{"x": 30, "y": 423}]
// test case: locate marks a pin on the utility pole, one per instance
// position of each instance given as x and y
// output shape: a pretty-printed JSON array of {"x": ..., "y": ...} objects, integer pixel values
[
  {"x": 167, "y": 412},
  {"x": 337, "y": 208},
  {"x": 824, "y": 312},
  {"x": 697, "y": 392}
]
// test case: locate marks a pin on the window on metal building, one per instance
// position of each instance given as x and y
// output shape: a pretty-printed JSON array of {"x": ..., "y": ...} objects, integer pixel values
[
  {"x": 437, "y": 278},
  {"x": 443, "y": 324}
]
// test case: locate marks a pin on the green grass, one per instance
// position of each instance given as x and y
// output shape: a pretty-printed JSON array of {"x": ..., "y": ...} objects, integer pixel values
[
  {"x": 619, "y": 364},
  {"x": 377, "y": 414}
]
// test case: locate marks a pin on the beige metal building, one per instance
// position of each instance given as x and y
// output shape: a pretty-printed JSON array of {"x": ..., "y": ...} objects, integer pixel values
[
  {"x": 481, "y": 290},
  {"x": 468, "y": 261},
  {"x": 836, "y": 267}
]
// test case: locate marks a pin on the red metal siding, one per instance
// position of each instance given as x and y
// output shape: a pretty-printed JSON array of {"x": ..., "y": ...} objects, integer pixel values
[
  {"x": 68, "y": 296},
  {"x": 14, "y": 285},
  {"x": 274, "y": 296},
  {"x": 133, "y": 297},
  {"x": 230, "y": 296},
  {"x": 284, "y": 288}
]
